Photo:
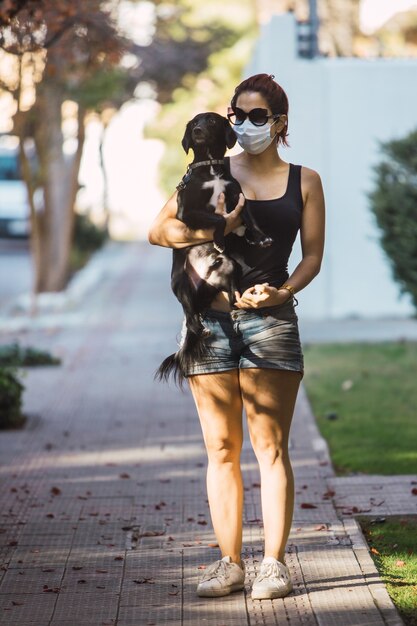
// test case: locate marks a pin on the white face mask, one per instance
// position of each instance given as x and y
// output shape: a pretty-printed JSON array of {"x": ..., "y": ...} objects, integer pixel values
[{"x": 253, "y": 139}]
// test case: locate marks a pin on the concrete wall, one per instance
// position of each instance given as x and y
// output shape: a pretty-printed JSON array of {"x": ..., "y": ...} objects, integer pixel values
[{"x": 340, "y": 108}]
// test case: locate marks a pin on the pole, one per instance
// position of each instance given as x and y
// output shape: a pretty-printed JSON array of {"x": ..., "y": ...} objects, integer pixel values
[{"x": 314, "y": 24}]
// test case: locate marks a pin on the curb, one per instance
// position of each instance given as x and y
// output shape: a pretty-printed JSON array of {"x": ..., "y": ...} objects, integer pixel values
[{"x": 376, "y": 586}]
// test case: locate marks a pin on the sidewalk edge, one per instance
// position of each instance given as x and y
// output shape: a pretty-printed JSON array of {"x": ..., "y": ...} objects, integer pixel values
[{"x": 371, "y": 575}]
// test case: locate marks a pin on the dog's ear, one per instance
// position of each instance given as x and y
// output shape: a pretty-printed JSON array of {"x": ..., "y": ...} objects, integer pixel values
[
  {"x": 230, "y": 135},
  {"x": 186, "y": 140}
]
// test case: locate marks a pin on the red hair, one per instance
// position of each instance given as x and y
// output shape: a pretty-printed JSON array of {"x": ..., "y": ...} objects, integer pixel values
[{"x": 272, "y": 92}]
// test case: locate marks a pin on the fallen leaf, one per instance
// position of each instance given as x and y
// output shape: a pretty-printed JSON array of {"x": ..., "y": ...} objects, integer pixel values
[
  {"x": 213, "y": 545},
  {"x": 414, "y": 491},
  {"x": 124, "y": 475},
  {"x": 400, "y": 563},
  {"x": 375, "y": 551},
  {"x": 321, "y": 527},
  {"x": 17, "y": 603},
  {"x": 56, "y": 491},
  {"x": 142, "y": 581},
  {"x": 308, "y": 505}
]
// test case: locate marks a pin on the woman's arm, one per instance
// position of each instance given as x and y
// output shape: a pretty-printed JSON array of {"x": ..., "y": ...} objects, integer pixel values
[
  {"x": 168, "y": 231},
  {"x": 311, "y": 232}
]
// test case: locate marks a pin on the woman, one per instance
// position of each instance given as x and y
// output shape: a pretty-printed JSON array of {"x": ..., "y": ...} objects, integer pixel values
[{"x": 256, "y": 361}]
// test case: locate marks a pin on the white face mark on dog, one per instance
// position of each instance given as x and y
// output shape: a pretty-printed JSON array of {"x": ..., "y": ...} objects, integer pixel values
[{"x": 218, "y": 185}]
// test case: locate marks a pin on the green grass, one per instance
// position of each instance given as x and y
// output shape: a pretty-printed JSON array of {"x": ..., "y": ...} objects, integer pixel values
[
  {"x": 393, "y": 549},
  {"x": 372, "y": 390}
]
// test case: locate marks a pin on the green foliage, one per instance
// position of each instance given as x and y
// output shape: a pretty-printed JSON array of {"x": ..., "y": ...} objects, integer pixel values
[
  {"x": 88, "y": 237},
  {"x": 394, "y": 205},
  {"x": 105, "y": 87},
  {"x": 11, "y": 390},
  {"x": 15, "y": 355},
  {"x": 233, "y": 26}
]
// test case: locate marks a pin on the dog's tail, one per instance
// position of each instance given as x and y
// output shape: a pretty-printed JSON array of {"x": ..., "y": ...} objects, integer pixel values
[{"x": 193, "y": 348}]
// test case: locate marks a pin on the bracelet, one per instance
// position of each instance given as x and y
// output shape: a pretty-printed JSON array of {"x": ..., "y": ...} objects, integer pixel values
[{"x": 289, "y": 288}]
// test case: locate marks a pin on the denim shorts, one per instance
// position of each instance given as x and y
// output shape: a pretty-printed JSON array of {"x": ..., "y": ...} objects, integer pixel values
[{"x": 267, "y": 337}]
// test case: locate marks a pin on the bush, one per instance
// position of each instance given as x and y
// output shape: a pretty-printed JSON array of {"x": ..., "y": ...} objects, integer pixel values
[
  {"x": 88, "y": 237},
  {"x": 394, "y": 205},
  {"x": 11, "y": 390},
  {"x": 14, "y": 354}
]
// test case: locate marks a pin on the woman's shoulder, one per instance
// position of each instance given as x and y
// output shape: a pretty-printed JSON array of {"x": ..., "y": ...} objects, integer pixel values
[
  {"x": 310, "y": 180},
  {"x": 309, "y": 174}
]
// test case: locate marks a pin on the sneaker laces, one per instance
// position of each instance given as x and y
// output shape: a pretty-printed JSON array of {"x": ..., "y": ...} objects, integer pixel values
[
  {"x": 272, "y": 569},
  {"x": 215, "y": 570}
]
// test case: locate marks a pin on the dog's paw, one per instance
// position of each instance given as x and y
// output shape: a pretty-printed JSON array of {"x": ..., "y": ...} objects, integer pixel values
[
  {"x": 262, "y": 242},
  {"x": 267, "y": 241}
]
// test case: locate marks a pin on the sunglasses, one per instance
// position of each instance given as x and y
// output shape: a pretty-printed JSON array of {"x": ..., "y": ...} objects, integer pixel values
[{"x": 258, "y": 117}]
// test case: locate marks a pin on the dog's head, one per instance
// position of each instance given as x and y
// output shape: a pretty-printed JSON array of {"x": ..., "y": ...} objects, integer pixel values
[{"x": 209, "y": 132}]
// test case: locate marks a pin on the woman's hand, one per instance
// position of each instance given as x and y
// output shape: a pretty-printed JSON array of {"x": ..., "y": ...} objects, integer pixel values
[
  {"x": 234, "y": 218},
  {"x": 261, "y": 295}
]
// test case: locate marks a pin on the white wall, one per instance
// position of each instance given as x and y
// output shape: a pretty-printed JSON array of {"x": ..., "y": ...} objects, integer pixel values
[{"x": 339, "y": 109}]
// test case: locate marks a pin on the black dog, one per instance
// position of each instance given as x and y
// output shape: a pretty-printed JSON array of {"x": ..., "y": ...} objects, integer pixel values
[{"x": 201, "y": 271}]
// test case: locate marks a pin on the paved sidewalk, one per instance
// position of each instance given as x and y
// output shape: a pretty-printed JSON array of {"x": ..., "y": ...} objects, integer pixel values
[{"x": 104, "y": 518}]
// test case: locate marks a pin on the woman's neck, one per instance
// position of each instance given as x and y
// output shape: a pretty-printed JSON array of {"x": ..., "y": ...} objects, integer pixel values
[{"x": 267, "y": 160}]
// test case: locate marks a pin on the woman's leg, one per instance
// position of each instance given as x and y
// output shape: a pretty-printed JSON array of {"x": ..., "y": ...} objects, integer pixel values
[
  {"x": 219, "y": 405},
  {"x": 269, "y": 398}
]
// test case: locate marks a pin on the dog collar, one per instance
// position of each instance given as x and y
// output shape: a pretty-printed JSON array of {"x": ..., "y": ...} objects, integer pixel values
[
  {"x": 185, "y": 179},
  {"x": 210, "y": 162}
]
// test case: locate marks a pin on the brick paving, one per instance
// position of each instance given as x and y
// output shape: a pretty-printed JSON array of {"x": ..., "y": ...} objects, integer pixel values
[{"x": 103, "y": 511}]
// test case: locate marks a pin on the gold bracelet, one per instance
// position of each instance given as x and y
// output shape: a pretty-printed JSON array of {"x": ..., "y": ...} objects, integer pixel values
[{"x": 290, "y": 288}]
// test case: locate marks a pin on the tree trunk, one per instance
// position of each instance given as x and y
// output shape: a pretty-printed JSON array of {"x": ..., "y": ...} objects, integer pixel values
[{"x": 59, "y": 174}]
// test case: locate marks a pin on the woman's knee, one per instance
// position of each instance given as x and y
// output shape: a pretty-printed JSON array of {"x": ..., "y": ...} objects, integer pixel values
[
  {"x": 269, "y": 452},
  {"x": 221, "y": 451}
]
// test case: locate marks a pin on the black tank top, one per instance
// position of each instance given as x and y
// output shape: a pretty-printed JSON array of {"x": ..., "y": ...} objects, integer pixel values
[{"x": 279, "y": 218}]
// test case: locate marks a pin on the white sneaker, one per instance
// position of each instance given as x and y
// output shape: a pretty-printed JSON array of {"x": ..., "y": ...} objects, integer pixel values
[
  {"x": 221, "y": 578},
  {"x": 273, "y": 580}
]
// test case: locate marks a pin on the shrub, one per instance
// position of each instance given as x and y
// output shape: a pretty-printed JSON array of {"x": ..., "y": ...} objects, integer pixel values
[
  {"x": 14, "y": 354},
  {"x": 11, "y": 390},
  {"x": 88, "y": 237},
  {"x": 394, "y": 205}
]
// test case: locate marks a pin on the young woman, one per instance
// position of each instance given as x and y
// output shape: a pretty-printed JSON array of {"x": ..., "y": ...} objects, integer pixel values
[{"x": 256, "y": 361}]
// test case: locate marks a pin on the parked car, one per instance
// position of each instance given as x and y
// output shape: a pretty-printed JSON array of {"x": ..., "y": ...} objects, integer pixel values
[{"x": 14, "y": 204}]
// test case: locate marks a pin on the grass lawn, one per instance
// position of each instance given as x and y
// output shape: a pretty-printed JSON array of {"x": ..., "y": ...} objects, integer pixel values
[
  {"x": 364, "y": 397},
  {"x": 393, "y": 549}
]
